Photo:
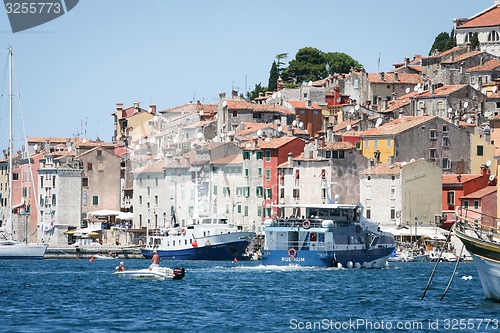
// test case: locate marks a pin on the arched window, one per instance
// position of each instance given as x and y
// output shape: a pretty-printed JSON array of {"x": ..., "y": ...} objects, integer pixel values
[
  {"x": 493, "y": 36},
  {"x": 468, "y": 37}
]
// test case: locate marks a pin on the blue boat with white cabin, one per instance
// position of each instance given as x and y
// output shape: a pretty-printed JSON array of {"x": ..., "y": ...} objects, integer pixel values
[
  {"x": 200, "y": 238},
  {"x": 326, "y": 235}
]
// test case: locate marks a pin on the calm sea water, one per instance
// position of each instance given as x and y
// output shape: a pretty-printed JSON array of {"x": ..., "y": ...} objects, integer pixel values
[{"x": 83, "y": 296}]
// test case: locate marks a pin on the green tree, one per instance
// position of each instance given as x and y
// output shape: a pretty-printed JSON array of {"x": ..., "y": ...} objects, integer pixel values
[
  {"x": 474, "y": 41},
  {"x": 279, "y": 62},
  {"x": 273, "y": 77},
  {"x": 255, "y": 93},
  {"x": 340, "y": 63},
  {"x": 309, "y": 65},
  {"x": 444, "y": 42}
]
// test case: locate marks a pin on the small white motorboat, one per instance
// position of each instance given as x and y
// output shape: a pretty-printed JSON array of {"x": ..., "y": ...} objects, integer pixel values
[{"x": 154, "y": 273}]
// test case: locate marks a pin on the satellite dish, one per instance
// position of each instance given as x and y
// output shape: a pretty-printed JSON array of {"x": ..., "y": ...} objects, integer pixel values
[
  {"x": 199, "y": 135},
  {"x": 450, "y": 110},
  {"x": 224, "y": 104},
  {"x": 412, "y": 160},
  {"x": 419, "y": 85},
  {"x": 301, "y": 125},
  {"x": 488, "y": 163},
  {"x": 35, "y": 147},
  {"x": 294, "y": 123},
  {"x": 415, "y": 88},
  {"x": 280, "y": 128},
  {"x": 420, "y": 90},
  {"x": 274, "y": 95},
  {"x": 403, "y": 163},
  {"x": 487, "y": 114},
  {"x": 407, "y": 90},
  {"x": 357, "y": 107},
  {"x": 378, "y": 122},
  {"x": 338, "y": 100},
  {"x": 491, "y": 178},
  {"x": 278, "y": 94},
  {"x": 351, "y": 111},
  {"x": 201, "y": 112},
  {"x": 310, "y": 83},
  {"x": 470, "y": 120},
  {"x": 248, "y": 145},
  {"x": 69, "y": 148},
  {"x": 348, "y": 127},
  {"x": 259, "y": 132},
  {"x": 494, "y": 89},
  {"x": 216, "y": 139},
  {"x": 466, "y": 104},
  {"x": 84, "y": 140}
]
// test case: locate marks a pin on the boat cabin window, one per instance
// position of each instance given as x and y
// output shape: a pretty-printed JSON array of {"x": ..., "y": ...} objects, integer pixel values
[
  {"x": 313, "y": 236},
  {"x": 206, "y": 221}
]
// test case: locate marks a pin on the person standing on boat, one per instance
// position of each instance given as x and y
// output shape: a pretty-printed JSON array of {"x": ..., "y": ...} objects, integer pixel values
[
  {"x": 121, "y": 267},
  {"x": 155, "y": 261}
]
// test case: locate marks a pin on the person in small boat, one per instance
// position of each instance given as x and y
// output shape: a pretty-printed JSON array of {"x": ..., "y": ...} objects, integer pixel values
[
  {"x": 120, "y": 267},
  {"x": 155, "y": 261}
]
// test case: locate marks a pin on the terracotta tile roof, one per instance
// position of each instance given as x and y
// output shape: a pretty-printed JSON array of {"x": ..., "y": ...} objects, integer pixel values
[
  {"x": 481, "y": 193},
  {"x": 461, "y": 57},
  {"x": 488, "y": 18},
  {"x": 383, "y": 169},
  {"x": 277, "y": 142},
  {"x": 403, "y": 78},
  {"x": 241, "y": 104},
  {"x": 207, "y": 109},
  {"x": 339, "y": 145},
  {"x": 453, "y": 178},
  {"x": 253, "y": 128},
  {"x": 494, "y": 96},
  {"x": 397, "y": 126},
  {"x": 157, "y": 166},
  {"x": 231, "y": 159},
  {"x": 442, "y": 91},
  {"x": 343, "y": 125},
  {"x": 303, "y": 105},
  {"x": 399, "y": 102},
  {"x": 181, "y": 162},
  {"x": 491, "y": 65},
  {"x": 448, "y": 52},
  {"x": 101, "y": 148}
]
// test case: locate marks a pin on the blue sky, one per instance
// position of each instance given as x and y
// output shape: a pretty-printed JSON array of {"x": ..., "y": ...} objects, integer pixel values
[{"x": 75, "y": 68}]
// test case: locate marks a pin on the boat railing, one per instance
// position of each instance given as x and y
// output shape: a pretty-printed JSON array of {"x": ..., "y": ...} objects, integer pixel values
[
  {"x": 481, "y": 224},
  {"x": 309, "y": 246},
  {"x": 303, "y": 222}
]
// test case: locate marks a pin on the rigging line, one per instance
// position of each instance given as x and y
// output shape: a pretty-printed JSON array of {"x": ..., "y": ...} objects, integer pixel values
[
  {"x": 453, "y": 274},
  {"x": 435, "y": 266},
  {"x": 25, "y": 139}
]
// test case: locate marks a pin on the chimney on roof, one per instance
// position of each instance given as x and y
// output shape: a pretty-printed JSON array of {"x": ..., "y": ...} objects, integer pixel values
[
  {"x": 234, "y": 94},
  {"x": 407, "y": 61},
  {"x": 119, "y": 107},
  {"x": 152, "y": 109},
  {"x": 198, "y": 102},
  {"x": 329, "y": 133},
  {"x": 382, "y": 74},
  {"x": 459, "y": 177},
  {"x": 261, "y": 94},
  {"x": 255, "y": 143},
  {"x": 136, "y": 107},
  {"x": 290, "y": 159},
  {"x": 431, "y": 88},
  {"x": 396, "y": 76},
  {"x": 309, "y": 104}
]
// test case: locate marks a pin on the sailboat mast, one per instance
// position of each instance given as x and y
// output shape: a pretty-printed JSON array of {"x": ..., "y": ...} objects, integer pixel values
[{"x": 10, "y": 142}]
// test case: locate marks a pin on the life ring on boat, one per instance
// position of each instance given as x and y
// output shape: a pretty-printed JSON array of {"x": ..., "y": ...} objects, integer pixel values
[
  {"x": 358, "y": 228},
  {"x": 292, "y": 252},
  {"x": 183, "y": 231},
  {"x": 306, "y": 224}
]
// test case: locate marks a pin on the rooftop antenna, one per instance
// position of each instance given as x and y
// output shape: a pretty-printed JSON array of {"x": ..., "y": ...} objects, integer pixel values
[{"x": 378, "y": 63}]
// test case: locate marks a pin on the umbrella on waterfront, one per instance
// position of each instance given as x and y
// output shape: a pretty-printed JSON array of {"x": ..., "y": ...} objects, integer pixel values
[
  {"x": 105, "y": 212},
  {"x": 125, "y": 216}
]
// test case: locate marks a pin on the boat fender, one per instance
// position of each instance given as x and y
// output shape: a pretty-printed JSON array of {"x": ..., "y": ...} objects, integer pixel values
[
  {"x": 183, "y": 231},
  {"x": 292, "y": 252},
  {"x": 306, "y": 224},
  {"x": 358, "y": 228}
]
